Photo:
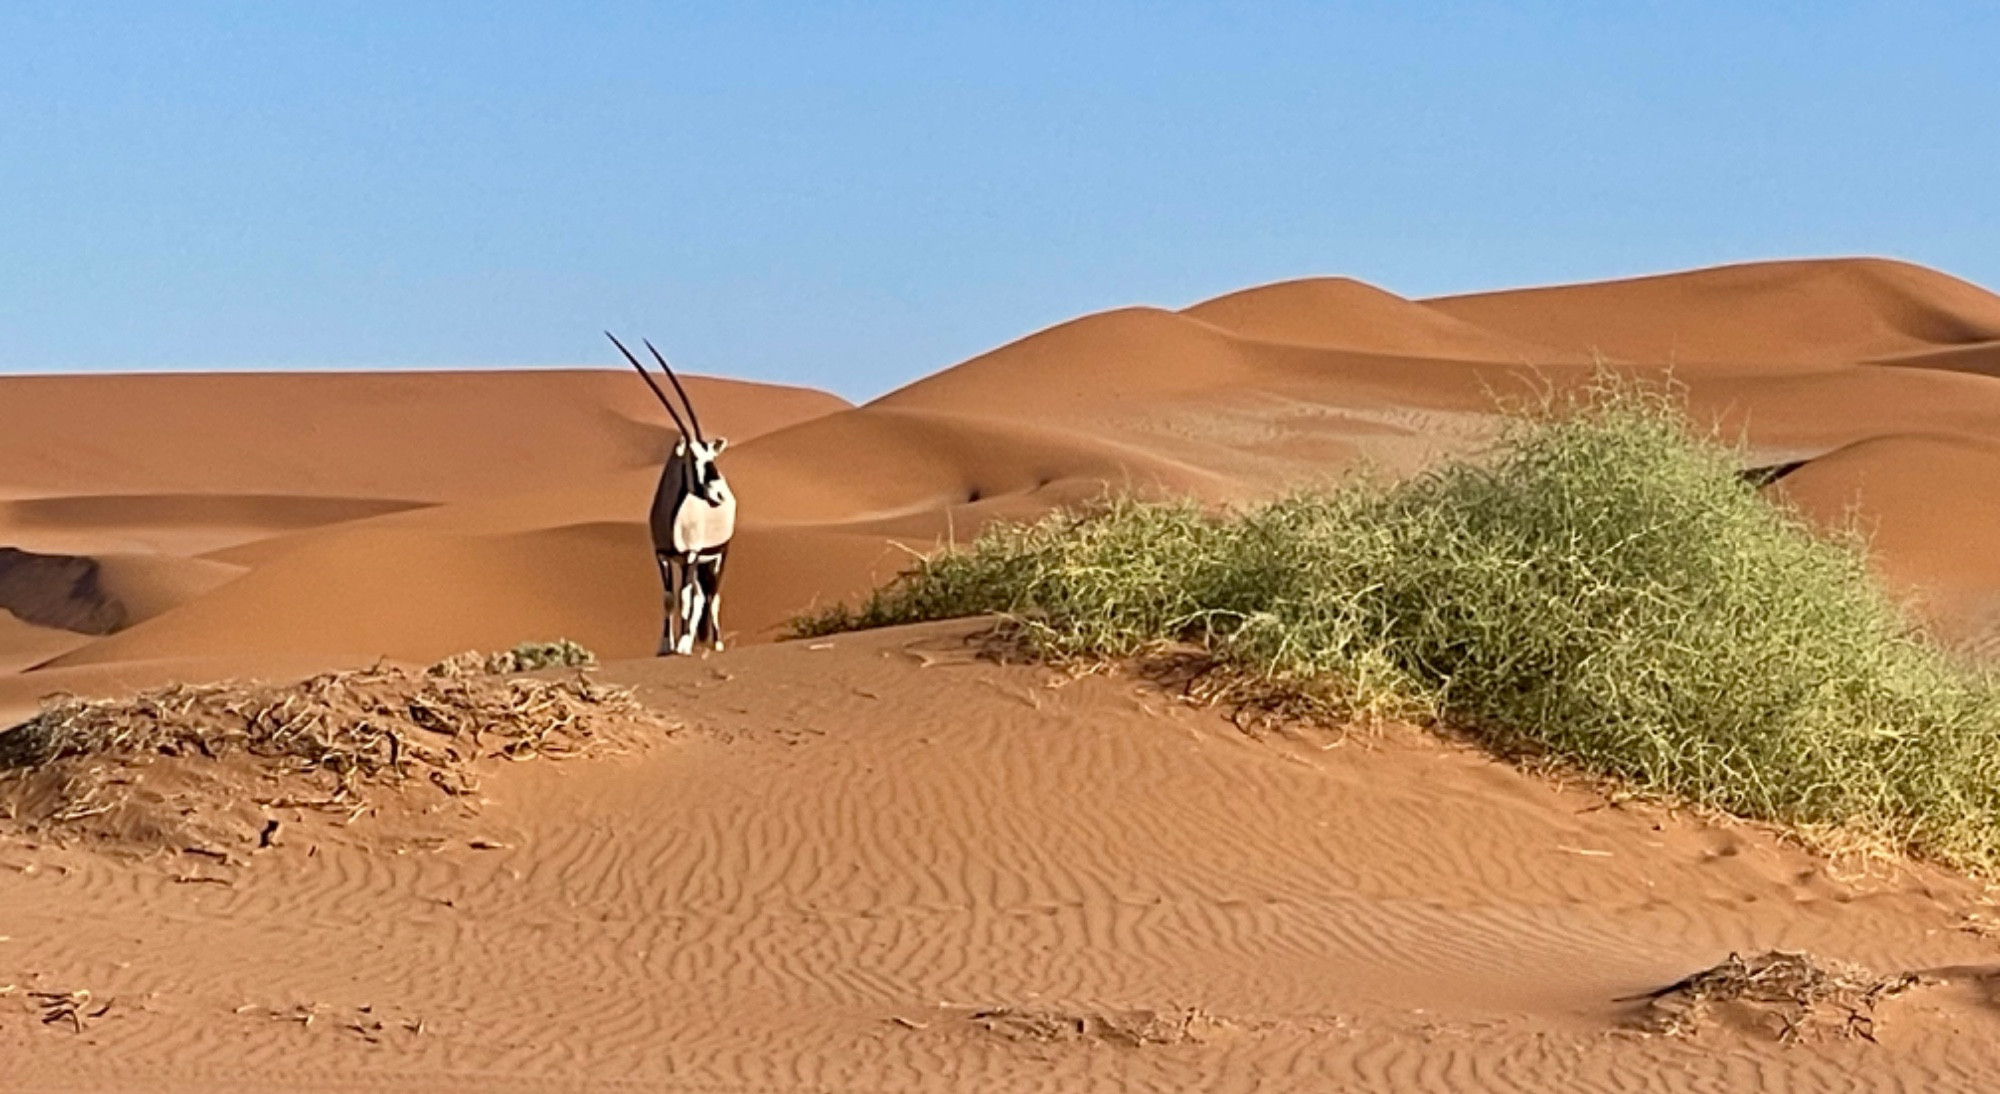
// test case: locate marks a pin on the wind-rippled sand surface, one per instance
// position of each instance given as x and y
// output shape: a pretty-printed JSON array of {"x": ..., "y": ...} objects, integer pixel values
[{"x": 882, "y": 862}]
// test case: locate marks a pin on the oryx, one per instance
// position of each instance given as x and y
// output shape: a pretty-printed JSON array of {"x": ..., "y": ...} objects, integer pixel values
[{"x": 693, "y": 517}]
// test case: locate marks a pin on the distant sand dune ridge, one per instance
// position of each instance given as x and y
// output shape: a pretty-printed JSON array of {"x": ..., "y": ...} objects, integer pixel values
[
  {"x": 415, "y": 515},
  {"x": 411, "y": 515}
]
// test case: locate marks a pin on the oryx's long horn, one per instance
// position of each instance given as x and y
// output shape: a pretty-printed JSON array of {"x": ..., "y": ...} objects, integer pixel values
[
  {"x": 685, "y": 401},
  {"x": 648, "y": 377}
]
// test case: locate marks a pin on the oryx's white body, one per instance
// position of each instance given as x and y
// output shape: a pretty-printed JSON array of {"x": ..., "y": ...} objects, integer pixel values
[
  {"x": 692, "y": 520},
  {"x": 693, "y": 523}
]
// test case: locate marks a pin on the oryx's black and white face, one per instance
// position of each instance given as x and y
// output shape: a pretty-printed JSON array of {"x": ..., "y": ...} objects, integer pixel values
[{"x": 704, "y": 478}]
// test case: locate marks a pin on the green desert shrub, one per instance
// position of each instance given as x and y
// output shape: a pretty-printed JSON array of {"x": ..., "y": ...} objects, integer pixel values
[{"x": 1603, "y": 589}]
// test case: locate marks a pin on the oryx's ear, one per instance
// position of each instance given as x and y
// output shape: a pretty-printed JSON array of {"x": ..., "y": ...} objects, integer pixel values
[
  {"x": 716, "y": 446},
  {"x": 680, "y": 446}
]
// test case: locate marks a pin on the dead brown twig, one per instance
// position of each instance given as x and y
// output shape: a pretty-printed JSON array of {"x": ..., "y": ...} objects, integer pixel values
[
  {"x": 72, "y": 1007},
  {"x": 1803, "y": 992}
]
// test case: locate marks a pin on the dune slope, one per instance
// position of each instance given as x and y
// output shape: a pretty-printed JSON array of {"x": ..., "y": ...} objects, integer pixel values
[{"x": 883, "y": 863}]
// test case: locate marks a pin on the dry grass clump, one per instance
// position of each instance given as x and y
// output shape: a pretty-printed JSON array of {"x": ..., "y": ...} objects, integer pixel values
[
  {"x": 1796, "y": 994},
  {"x": 342, "y": 730},
  {"x": 1602, "y": 589},
  {"x": 371, "y": 723}
]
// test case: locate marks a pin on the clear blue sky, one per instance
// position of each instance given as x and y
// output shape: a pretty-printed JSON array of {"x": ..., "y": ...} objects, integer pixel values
[{"x": 853, "y": 195}]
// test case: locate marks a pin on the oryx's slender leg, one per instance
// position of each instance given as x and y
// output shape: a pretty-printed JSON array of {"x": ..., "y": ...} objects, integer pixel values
[
  {"x": 693, "y": 602},
  {"x": 672, "y": 576},
  {"x": 708, "y": 574}
]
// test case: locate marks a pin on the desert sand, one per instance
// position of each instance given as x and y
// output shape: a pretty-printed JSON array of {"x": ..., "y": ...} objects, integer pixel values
[{"x": 885, "y": 861}]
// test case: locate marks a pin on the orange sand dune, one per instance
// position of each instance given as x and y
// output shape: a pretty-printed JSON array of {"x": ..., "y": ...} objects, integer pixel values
[
  {"x": 339, "y": 593},
  {"x": 358, "y": 515},
  {"x": 1894, "y": 488},
  {"x": 405, "y": 436},
  {"x": 179, "y": 485},
  {"x": 1339, "y": 313},
  {"x": 174, "y": 524},
  {"x": 1758, "y": 316},
  {"x": 854, "y": 847},
  {"x": 25, "y": 645}
]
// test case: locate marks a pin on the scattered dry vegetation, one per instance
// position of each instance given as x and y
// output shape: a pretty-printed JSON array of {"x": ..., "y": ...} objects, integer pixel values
[
  {"x": 369, "y": 1023},
  {"x": 135, "y": 768},
  {"x": 1130, "y": 1028},
  {"x": 526, "y": 657},
  {"x": 1795, "y": 995},
  {"x": 1603, "y": 590}
]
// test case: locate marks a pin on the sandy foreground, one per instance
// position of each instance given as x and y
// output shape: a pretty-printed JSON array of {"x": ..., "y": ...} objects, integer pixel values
[{"x": 885, "y": 861}]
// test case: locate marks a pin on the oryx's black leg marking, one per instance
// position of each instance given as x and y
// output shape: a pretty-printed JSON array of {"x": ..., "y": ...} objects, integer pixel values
[
  {"x": 708, "y": 578},
  {"x": 690, "y": 606}
]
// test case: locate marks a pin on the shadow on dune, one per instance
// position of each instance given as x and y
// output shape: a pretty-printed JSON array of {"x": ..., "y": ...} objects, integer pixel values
[{"x": 60, "y": 591}]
